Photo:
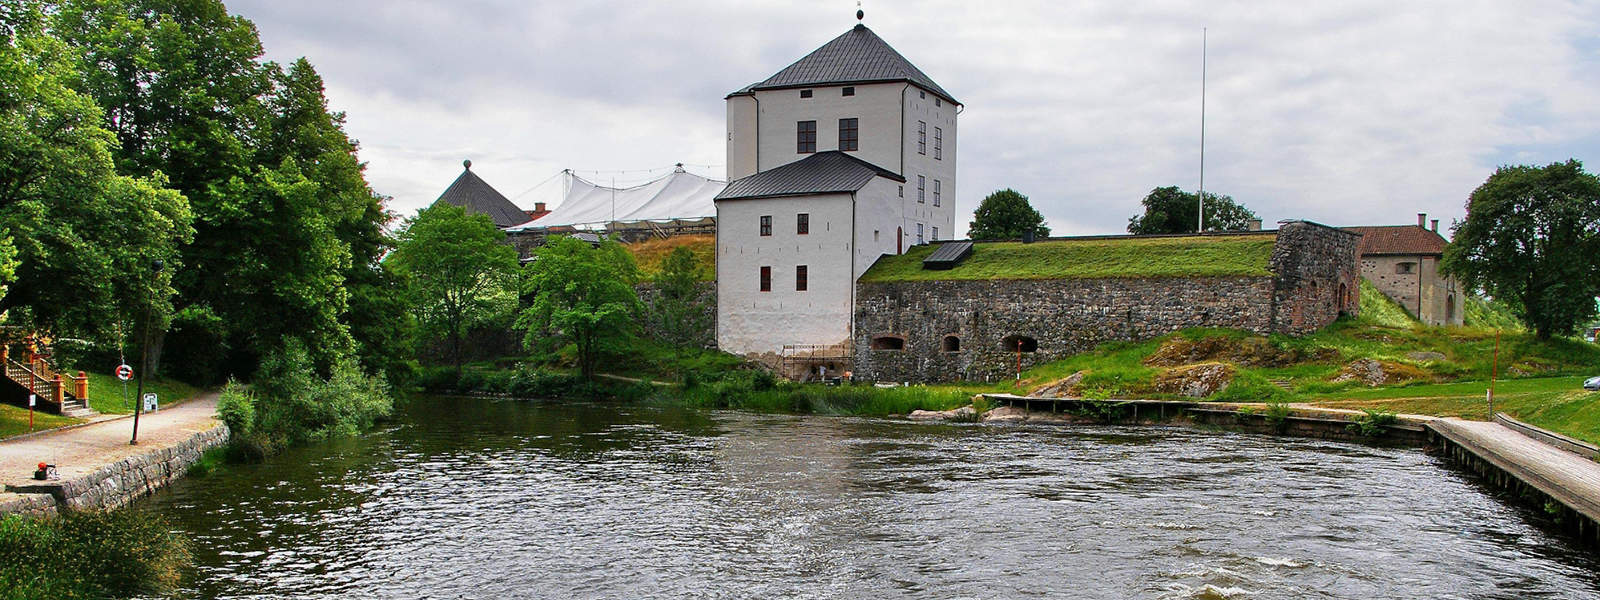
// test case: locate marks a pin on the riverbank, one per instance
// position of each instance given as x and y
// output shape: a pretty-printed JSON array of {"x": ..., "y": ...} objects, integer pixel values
[{"x": 97, "y": 467}]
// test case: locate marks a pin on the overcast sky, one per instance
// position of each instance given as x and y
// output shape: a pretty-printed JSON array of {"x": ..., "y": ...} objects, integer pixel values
[{"x": 1349, "y": 112}]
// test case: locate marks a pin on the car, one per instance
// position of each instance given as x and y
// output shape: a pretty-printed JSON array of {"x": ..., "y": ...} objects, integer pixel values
[{"x": 1592, "y": 384}]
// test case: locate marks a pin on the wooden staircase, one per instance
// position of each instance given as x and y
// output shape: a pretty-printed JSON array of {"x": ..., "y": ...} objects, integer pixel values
[{"x": 67, "y": 395}]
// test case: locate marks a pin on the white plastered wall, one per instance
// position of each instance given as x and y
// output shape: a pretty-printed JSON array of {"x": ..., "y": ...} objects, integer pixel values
[{"x": 750, "y": 321}]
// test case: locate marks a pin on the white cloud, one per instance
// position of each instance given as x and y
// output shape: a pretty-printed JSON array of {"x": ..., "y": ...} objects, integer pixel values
[{"x": 1349, "y": 112}]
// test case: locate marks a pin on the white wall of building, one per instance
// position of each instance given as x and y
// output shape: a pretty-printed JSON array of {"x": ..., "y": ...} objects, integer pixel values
[{"x": 752, "y": 321}]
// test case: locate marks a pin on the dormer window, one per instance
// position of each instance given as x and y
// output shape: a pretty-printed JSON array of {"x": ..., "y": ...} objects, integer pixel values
[
  {"x": 849, "y": 90},
  {"x": 805, "y": 93}
]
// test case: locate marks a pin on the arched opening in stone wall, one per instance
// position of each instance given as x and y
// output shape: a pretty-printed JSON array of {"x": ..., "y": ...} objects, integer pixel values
[
  {"x": 888, "y": 342},
  {"x": 1449, "y": 309},
  {"x": 1344, "y": 299},
  {"x": 950, "y": 343},
  {"x": 1013, "y": 343}
]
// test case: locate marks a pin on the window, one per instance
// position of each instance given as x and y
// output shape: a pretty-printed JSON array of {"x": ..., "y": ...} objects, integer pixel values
[
  {"x": 935, "y": 192},
  {"x": 1405, "y": 268},
  {"x": 766, "y": 279},
  {"x": 922, "y": 185},
  {"x": 766, "y": 225},
  {"x": 950, "y": 344},
  {"x": 937, "y": 101},
  {"x": 849, "y": 90},
  {"x": 802, "y": 223},
  {"x": 888, "y": 342},
  {"x": 919, "y": 234},
  {"x": 902, "y": 191},
  {"x": 874, "y": 235},
  {"x": 805, "y": 137},
  {"x": 848, "y": 132},
  {"x": 805, "y": 93},
  {"x": 935, "y": 233},
  {"x": 922, "y": 94},
  {"x": 800, "y": 278},
  {"x": 938, "y": 143},
  {"x": 1016, "y": 343},
  {"x": 922, "y": 137}
]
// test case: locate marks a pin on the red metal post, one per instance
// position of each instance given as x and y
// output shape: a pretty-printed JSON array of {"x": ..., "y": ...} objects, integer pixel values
[
  {"x": 1019, "y": 364},
  {"x": 1494, "y": 372}
]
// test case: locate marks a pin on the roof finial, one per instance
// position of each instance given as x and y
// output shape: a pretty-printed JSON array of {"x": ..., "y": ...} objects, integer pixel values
[
  {"x": 467, "y": 163},
  {"x": 859, "y": 14}
]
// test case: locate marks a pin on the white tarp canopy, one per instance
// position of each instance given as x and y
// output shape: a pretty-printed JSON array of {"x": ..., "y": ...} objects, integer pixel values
[{"x": 583, "y": 204}]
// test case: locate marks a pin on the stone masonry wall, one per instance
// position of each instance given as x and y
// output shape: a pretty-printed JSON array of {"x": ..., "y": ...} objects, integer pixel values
[
  {"x": 1064, "y": 317},
  {"x": 117, "y": 484},
  {"x": 706, "y": 315},
  {"x": 1316, "y": 277},
  {"x": 1313, "y": 282}
]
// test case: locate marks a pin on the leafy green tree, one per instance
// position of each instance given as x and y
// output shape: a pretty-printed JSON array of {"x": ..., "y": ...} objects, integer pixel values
[
  {"x": 1532, "y": 238},
  {"x": 1006, "y": 214},
  {"x": 83, "y": 238},
  {"x": 458, "y": 268},
  {"x": 582, "y": 295},
  {"x": 680, "y": 318},
  {"x": 1172, "y": 210}
]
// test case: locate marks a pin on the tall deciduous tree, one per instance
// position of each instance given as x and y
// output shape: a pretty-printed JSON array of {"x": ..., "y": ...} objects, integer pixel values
[
  {"x": 679, "y": 317},
  {"x": 83, "y": 238},
  {"x": 1006, "y": 214},
  {"x": 1172, "y": 210},
  {"x": 582, "y": 295},
  {"x": 1532, "y": 238},
  {"x": 458, "y": 267}
]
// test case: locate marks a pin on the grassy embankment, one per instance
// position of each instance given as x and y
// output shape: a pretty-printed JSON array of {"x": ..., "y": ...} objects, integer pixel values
[
  {"x": 1188, "y": 256},
  {"x": 649, "y": 254},
  {"x": 90, "y": 555}
]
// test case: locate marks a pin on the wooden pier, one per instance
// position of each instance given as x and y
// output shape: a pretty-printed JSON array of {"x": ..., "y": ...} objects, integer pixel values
[{"x": 1567, "y": 482}]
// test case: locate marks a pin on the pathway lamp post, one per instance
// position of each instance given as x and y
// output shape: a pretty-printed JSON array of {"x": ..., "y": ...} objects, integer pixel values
[{"x": 144, "y": 355}]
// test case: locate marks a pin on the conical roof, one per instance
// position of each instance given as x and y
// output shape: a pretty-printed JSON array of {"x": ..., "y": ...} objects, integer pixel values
[
  {"x": 858, "y": 56},
  {"x": 474, "y": 194}
]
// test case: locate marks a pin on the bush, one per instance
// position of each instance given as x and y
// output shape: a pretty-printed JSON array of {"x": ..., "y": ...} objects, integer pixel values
[
  {"x": 437, "y": 379},
  {"x": 237, "y": 408},
  {"x": 90, "y": 555},
  {"x": 289, "y": 404}
]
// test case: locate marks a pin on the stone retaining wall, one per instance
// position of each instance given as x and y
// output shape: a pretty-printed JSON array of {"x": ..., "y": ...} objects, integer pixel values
[
  {"x": 117, "y": 484},
  {"x": 930, "y": 331}
]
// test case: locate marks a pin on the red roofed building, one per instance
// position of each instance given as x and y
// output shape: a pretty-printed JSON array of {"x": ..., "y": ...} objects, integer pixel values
[{"x": 1402, "y": 261}]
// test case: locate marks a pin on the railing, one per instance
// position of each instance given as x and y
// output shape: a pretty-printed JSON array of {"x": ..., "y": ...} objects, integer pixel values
[
  {"x": 49, "y": 388},
  {"x": 815, "y": 351}
]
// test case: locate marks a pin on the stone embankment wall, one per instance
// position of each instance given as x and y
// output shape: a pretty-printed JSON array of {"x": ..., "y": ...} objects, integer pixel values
[
  {"x": 117, "y": 484},
  {"x": 928, "y": 331},
  {"x": 704, "y": 314}
]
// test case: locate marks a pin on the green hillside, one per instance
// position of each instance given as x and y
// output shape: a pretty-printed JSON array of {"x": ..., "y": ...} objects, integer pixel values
[{"x": 1120, "y": 257}]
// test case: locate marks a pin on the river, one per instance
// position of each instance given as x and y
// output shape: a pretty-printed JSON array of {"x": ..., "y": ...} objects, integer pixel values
[{"x": 466, "y": 498}]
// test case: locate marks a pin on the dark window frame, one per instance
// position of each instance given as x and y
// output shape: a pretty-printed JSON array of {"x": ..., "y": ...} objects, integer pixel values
[
  {"x": 766, "y": 225},
  {"x": 805, "y": 93},
  {"x": 805, "y": 137},
  {"x": 922, "y": 138},
  {"x": 848, "y": 90},
  {"x": 800, "y": 278},
  {"x": 938, "y": 143},
  {"x": 922, "y": 189},
  {"x": 850, "y": 134},
  {"x": 802, "y": 224},
  {"x": 936, "y": 191},
  {"x": 766, "y": 279}
]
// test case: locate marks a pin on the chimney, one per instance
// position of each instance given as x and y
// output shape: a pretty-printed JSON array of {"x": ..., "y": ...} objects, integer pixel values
[
  {"x": 538, "y": 207},
  {"x": 1254, "y": 225},
  {"x": 1436, "y": 226},
  {"x": 1422, "y": 219}
]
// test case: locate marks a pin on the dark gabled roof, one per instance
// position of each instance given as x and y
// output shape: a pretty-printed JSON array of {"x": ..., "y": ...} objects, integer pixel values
[
  {"x": 1398, "y": 239},
  {"x": 947, "y": 256},
  {"x": 858, "y": 56},
  {"x": 477, "y": 196},
  {"x": 828, "y": 172}
]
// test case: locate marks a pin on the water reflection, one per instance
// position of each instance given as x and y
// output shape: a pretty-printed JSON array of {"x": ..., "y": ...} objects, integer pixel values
[{"x": 484, "y": 499}]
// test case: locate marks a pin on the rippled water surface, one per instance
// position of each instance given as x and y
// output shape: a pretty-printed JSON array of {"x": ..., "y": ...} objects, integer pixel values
[{"x": 498, "y": 499}]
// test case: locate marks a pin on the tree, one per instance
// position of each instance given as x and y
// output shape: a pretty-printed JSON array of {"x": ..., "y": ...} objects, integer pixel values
[
  {"x": 1532, "y": 238},
  {"x": 1006, "y": 214},
  {"x": 582, "y": 295},
  {"x": 679, "y": 316},
  {"x": 83, "y": 237},
  {"x": 457, "y": 267},
  {"x": 1172, "y": 210}
]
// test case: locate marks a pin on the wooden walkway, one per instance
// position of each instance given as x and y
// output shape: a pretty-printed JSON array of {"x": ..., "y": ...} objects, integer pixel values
[{"x": 1565, "y": 477}]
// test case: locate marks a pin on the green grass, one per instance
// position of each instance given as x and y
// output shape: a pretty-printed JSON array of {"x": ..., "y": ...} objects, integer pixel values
[
  {"x": 1124, "y": 257},
  {"x": 866, "y": 401},
  {"x": 105, "y": 392},
  {"x": 1556, "y": 403},
  {"x": 14, "y": 421},
  {"x": 1490, "y": 314},
  {"x": 90, "y": 554},
  {"x": 650, "y": 253},
  {"x": 1378, "y": 309}
]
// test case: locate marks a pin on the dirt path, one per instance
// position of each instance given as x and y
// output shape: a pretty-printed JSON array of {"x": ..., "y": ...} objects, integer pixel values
[{"x": 80, "y": 450}]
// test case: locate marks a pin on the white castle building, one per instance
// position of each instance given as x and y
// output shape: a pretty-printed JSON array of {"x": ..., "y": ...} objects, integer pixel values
[{"x": 840, "y": 158}]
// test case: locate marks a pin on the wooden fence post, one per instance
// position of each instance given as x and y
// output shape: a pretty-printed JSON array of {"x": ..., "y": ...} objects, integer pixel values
[{"x": 81, "y": 389}]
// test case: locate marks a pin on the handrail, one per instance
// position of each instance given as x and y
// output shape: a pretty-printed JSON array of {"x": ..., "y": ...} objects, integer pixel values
[{"x": 50, "y": 388}]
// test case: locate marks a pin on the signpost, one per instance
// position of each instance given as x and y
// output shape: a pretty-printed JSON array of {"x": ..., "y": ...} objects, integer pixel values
[
  {"x": 32, "y": 400},
  {"x": 149, "y": 402}
]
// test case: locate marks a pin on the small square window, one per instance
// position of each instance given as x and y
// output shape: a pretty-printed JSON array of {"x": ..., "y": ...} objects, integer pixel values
[
  {"x": 802, "y": 223},
  {"x": 766, "y": 225},
  {"x": 805, "y": 93},
  {"x": 849, "y": 90},
  {"x": 766, "y": 279},
  {"x": 922, "y": 94},
  {"x": 800, "y": 278},
  {"x": 1405, "y": 268}
]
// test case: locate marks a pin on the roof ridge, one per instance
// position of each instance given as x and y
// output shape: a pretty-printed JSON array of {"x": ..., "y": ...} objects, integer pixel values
[{"x": 855, "y": 56}]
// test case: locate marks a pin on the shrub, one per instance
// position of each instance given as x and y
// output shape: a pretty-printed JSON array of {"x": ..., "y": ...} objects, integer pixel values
[
  {"x": 237, "y": 408},
  {"x": 437, "y": 379},
  {"x": 290, "y": 404},
  {"x": 1372, "y": 424},
  {"x": 90, "y": 555}
]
